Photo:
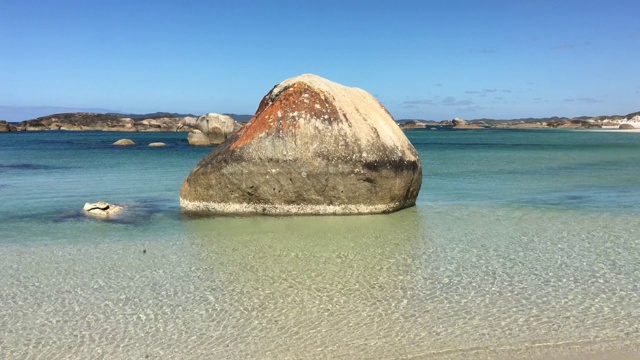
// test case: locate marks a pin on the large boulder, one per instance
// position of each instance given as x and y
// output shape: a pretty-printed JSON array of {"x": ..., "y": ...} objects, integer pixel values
[
  {"x": 626, "y": 126},
  {"x": 211, "y": 129},
  {"x": 313, "y": 147}
]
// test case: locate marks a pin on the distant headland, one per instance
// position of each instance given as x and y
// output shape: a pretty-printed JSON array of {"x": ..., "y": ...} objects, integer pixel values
[
  {"x": 611, "y": 122},
  {"x": 83, "y": 121},
  {"x": 175, "y": 122}
]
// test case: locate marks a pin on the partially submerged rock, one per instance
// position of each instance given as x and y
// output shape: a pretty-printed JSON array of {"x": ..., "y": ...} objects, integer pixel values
[
  {"x": 198, "y": 138},
  {"x": 211, "y": 129},
  {"x": 157, "y": 144},
  {"x": 313, "y": 147},
  {"x": 102, "y": 209},
  {"x": 124, "y": 142}
]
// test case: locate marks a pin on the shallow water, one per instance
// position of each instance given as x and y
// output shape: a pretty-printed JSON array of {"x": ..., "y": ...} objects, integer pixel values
[{"x": 523, "y": 244}]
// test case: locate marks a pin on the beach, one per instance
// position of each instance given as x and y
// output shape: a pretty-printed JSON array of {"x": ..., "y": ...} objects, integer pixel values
[{"x": 523, "y": 244}]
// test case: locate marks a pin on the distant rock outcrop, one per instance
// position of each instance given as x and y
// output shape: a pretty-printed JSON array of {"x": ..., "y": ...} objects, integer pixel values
[
  {"x": 413, "y": 124},
  {"x": 459, "y": 122},
  {"x": 313, "y": 147},
  {"x": 211, "y": 129},
  {"x": 79, "y": 122},
  {"x": 110, "y": 122},
  {"x": 572, "y": 124}
]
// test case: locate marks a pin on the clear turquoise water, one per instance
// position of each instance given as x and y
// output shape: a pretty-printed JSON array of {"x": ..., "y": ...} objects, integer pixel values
[{"x": 523, "y": 244}]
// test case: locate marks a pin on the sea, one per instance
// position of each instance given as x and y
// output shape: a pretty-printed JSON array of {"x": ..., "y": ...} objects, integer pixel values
[{"x": 523, "y": 244}]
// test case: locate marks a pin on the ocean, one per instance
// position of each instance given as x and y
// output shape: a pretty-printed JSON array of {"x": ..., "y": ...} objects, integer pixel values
[{"x": 523, "y": 244}]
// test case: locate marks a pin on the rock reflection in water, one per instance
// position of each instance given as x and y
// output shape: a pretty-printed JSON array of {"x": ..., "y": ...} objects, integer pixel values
[{"x": 312, "y": 286}]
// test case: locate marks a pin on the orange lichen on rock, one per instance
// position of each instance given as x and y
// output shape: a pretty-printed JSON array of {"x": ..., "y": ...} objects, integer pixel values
[{"x": 279, "y": 112}]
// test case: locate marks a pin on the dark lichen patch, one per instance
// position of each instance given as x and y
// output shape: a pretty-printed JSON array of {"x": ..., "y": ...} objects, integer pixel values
[{"x": 396, "y": 165}]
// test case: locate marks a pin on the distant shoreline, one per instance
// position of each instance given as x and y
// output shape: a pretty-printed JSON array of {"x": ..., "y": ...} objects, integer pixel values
[{"x": 169, "y": 122}]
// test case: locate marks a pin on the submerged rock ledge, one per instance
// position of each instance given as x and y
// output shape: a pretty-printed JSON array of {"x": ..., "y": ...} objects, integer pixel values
[{"x": 281, "y": 209}]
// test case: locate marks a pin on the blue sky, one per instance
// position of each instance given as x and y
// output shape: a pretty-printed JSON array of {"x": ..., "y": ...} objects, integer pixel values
[{"x": 422, "y": 59}]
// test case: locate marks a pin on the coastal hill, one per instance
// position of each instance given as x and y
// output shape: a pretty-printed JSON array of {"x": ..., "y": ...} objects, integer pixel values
[
  {"x": 81, "y": 121},
  {"x": 158, "y": 115},
  {"x": 629, "y": 121},
  {"x": 166, "y": 121},
  {"x": 155, "y": 115}
]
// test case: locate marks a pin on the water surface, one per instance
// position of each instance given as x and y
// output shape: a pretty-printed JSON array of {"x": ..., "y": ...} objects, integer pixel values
[{"x": 523, "y": 244}]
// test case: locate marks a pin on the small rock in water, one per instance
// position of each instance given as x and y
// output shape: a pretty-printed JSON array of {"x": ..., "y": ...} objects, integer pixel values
[
  {"x": 144, "y": 251},
  {"x": 124, "y": 142},
  {"x": 157, "y": 144},
  {"x": 102, "y": 209}
]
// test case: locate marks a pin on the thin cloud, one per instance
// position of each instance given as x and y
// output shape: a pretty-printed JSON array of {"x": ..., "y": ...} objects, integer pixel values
[
  {"x": 437, "y": 101},
  {"x": 418, "y": 102},
  {"x": 473, "y": 108},
  {"x": 451, "y": 101},
  {"x": 584, "y": 100},
  {"x": 487, "y": 91}
]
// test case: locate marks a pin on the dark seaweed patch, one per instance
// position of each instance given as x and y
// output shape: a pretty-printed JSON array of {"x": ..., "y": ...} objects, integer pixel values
[
  {"x": 8, "y": 167},
  {"x": 26, "y": 167}
]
